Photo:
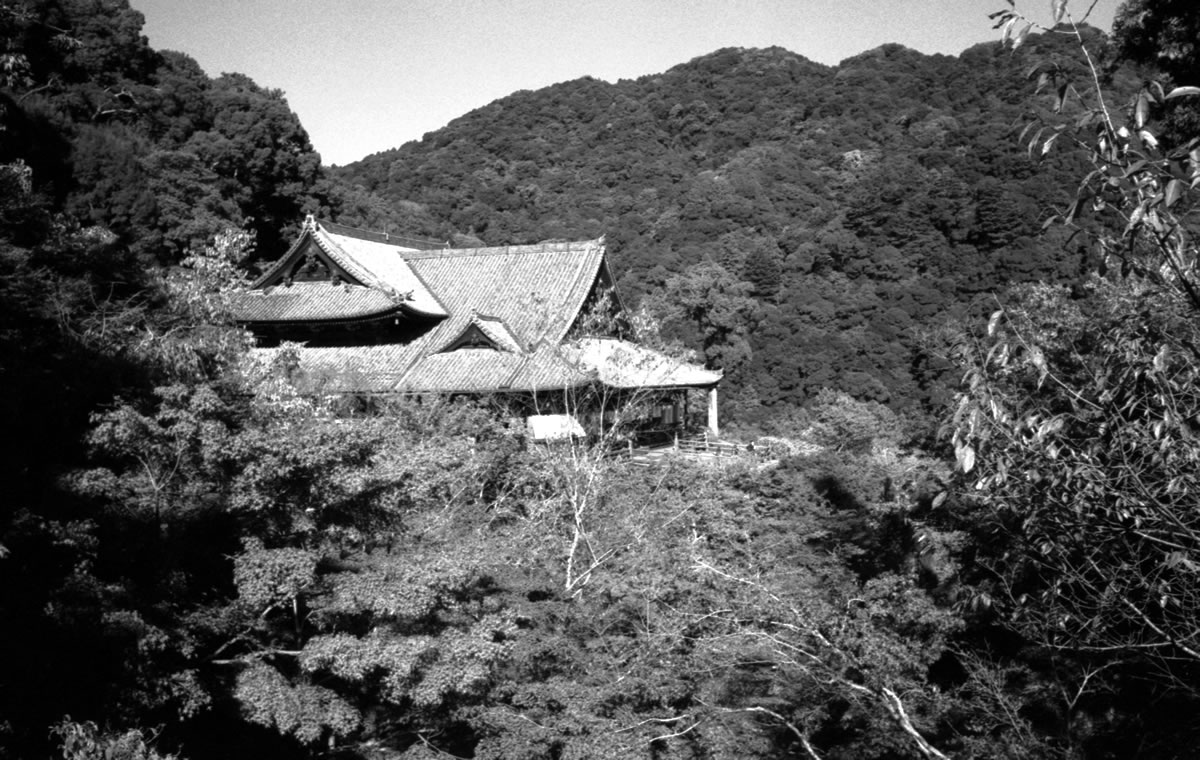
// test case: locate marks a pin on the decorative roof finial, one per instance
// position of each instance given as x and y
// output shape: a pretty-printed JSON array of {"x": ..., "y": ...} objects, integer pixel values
[{"x": 310, "y": 223}]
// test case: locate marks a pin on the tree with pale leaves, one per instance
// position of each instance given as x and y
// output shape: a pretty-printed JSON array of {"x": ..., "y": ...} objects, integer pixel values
[{"x": 1076, "y": 423}]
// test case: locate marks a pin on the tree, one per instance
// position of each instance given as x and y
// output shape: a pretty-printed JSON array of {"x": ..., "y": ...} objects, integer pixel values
[
  {"x": 1160, "y": 32},
  {"x": 85, "y": 741},
  {"x": 710, "y": 306},
  {"x": 1075, "y": 420},
  {"x": 1163, "y": 34},
  {"x": 191, "y": 211},
  {"x": 111, "y": 189},
  {"x": 764, "y": 271},
  {"x": 1077, "y": 428},
  {"x": 262, "y": 154}
]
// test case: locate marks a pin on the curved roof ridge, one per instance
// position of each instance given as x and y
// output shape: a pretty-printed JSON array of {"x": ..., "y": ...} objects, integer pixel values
[
  {"x": 350, "y": 264},
  {"x": 385, "y": 269},
  {"x": 580, "y": 293},
  {"x": 279, "y": 263},
  {"x": 399, "y": 240},
  {"x": 573, "y": 246},
  {"x": 498, "y": 331}
]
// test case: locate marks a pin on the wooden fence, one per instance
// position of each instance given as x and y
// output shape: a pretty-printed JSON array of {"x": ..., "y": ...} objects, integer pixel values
[
  {"x": 702, "y": 445},
  {"x": 694, "y": 447}
]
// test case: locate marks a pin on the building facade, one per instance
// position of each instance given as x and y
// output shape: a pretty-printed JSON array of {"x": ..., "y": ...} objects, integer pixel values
[{"x": 537, "y": 324}]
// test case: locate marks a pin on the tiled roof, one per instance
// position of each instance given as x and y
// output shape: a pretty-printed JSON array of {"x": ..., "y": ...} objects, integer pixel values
[
  {"x": 371, "y": 261},
  {"x": 547, "y": 369},
  {"x": 403, "y": 369},
  {"x": 484, "y": 370},
  {"x": 517, "y": 296},
  {"x": 621, "y": 364},
  {"x": 470, "y": 370},
  {"x": 536, "y": 290},
  {"x": 358, "y": 369},
  {"x": 498, "y": 332},
  {"x": 382, "y": 266},
  {"x": 312, "y": 301},
  {"x": 533, "y": 292}
]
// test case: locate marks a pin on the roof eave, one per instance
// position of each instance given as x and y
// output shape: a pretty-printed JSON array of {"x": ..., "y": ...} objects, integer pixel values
[
  {"x": 348, "y": 319},
  {"x": 279, "y": 263}
]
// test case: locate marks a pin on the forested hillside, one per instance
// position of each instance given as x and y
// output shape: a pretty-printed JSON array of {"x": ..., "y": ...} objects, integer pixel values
[
  {"x": 200, "y": 559},
  {"x": 829, "y": 219},
  {"x": 859, "y": 206},
  {"x": 143, "y": 143}
]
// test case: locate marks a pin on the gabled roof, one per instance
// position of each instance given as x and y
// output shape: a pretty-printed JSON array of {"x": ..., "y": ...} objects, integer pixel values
[
  {"x": 499, "y": 333},
  {"x": 487, "y": 319},
  {"x": 369, "y": 261},
  {"x": 485, "y": 332},
  {"x": 537, "y": 291}
]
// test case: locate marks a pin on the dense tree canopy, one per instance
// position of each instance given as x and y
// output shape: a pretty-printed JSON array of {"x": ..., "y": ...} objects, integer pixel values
[
  {"x": 1074, "y": 425},
  {"x": 864, "y": 203},
  {"x": 200, "y": 558}
]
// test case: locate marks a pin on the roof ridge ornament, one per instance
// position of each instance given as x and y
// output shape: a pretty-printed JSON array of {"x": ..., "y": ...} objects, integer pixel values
[{"x": 310, "y": 223}]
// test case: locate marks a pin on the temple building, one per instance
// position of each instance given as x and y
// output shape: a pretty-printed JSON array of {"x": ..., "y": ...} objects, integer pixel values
[{"x": 533, "y": 324}]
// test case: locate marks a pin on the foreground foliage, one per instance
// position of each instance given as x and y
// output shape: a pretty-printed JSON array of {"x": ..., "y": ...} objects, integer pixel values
[
  {"x": 1076, "y": 422},
  {"x": 375, "y": 603},
  {"x": 201, "y": 558},
  {"x": 1081, "y": 425}
]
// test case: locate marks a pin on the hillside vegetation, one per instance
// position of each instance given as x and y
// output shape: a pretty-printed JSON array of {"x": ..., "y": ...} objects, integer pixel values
[
  {"x": 860, "y": 207},
  {"x": 200, "y": 560}
]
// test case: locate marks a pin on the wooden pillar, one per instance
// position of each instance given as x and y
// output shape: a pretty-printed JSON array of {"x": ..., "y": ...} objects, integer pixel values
[{"x": 714, "y": 425}]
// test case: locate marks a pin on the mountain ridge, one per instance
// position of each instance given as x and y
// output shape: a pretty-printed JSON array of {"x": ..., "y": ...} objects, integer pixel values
[{"x": 853, "y": 201}]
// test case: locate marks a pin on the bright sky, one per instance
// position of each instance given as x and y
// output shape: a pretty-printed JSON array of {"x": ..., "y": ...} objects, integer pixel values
[{"x": 369, "y": 75}]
